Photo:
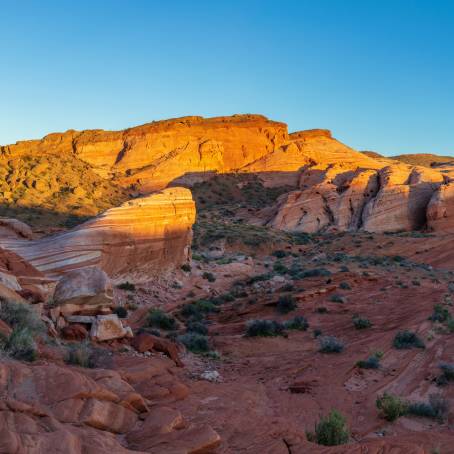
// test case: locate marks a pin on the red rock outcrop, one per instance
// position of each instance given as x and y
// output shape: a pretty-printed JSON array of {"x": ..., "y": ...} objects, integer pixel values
[
  {"x": 440, "y": 211},
  {"x": 144, "y": 235}
]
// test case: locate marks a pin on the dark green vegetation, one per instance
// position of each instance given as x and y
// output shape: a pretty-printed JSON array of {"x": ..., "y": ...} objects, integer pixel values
[
  {"x": 25, "y": 325},
  {"x": 330, "y": 344},
  {"x": 407, "y": 339},
  {"x": 264, "y": 328},
  {"x": 128, "y": 286},
  {"x": 393, "y": 407},
  {"x": 80, "y": 354},
  {"x": 331, "y": 430},
  {"x": 286, "y": 304},
  {"x": 361, "y": 323},
  {"x": 157, "y": 318}
]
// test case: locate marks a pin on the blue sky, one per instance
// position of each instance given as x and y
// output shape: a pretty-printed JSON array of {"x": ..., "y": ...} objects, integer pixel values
[{"x": 379, "y": 74}]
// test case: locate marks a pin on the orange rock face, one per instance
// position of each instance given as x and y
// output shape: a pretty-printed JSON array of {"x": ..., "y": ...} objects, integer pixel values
[{"x": 143, "y": 235}]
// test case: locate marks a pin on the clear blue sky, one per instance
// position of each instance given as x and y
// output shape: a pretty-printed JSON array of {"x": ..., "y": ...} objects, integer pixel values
[{"x": 379, "y": 74}]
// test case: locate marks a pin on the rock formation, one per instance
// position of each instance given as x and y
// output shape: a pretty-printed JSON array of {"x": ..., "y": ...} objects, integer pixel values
[{"x": 143, "y": 235}]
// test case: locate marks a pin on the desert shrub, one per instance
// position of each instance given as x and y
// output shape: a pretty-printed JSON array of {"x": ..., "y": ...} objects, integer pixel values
[
  {"x": 280, "y": 268},
  {"x": 128, "y": 286},
  {"x": 322, "y": 310},
  {"x": 120, "y": 311},
  {"x": 336, "y": 298},
  {"x": 297, "y": 323},
  {"x": 361, "y": 323},
  {"x": 447, "y": 373},
  {"x": 436, "y": 408},
  {"x": 210, "y": 277},
  {"x": 330, "y": 344},
  {"x": 186, "y": 267},
  {"x": 195, "y": 342},
  {"x": 450, "y": 325},
  {"x": 225, "y": 298},
  {"x": 280, "y": 254},
  {"x": 259, "y": 278},
  {"x": 288, "y": 288},
  {"x": 21, "y": 316},
  {"x": 331, "y": 430},
  {"x": 345, "y": 286},
  {"x": 391, "y": 406},
  {"x": 440, "y": 314},
  {"x": 317, "y": 332},
  {"x": 157, "y": 318},
  {"x": 316, "y": 272},
  {"x": 264, "y": 328},
  {"x": 21, "y": 345},
  {"x": 286, "y": 304},
  {"x": 197, "y": 327},
  {"x": 80, "y": 355},
  {"x": 407, "y": 339},
  {"x": 373, "y": 362}
]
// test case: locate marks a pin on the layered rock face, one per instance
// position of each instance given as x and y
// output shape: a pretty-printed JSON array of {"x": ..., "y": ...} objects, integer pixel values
[
  {"x": 145, "y": 235},
  {"x": 440, "y": 212},
  {"x": 149, "y": 157},
  {"x": 349, "y": 197}
]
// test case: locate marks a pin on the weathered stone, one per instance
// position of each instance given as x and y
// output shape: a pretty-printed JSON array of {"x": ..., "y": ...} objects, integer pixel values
[{"x": 108, "y": 327}]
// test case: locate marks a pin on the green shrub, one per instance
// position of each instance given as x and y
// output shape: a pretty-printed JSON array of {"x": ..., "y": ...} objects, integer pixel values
[
  {"x": 436, "y": 408},
  {"x": 21, "y": 345},
  {"x": 391, "y": 407},
  {"x": 195, "y": 342},
  {"x": 120, "y": 311},
  {"x": 345, "y": 286},
  {"x": 450, "y": 325},
  {"x": 373, "y": 362},
  {"x": 280, "y": 254},
  {"x": 330, "y": 344},
  {"x": 447, "y": 374},
  {"x": 336, "y": 298},
  {"x": 280, "y": 268},
  {"x": 197, "y": 327},
  {"x": 361, "y": 323},
  {"x": 407, "y": 339},
  {"x": 264, "y": 328},
  {"x": 440, "y": 314},
  {"x": 322, "y": 310},
  {"x": 21, "y": 316},
  {"x": 317, "y": 332},
  {"x": 128, "y": 286},
  {"x": 316, "y": 272},
  {"x": 297, "y": 323},
  {"x": 286, "y": 304},
  {"x": 186, "y": 267},
  {"x": 331, "y": 430},
  {"x": 210, "y": 277},
  {"x": 80, "y": 355},
  {"x": 159, "y": 319}
]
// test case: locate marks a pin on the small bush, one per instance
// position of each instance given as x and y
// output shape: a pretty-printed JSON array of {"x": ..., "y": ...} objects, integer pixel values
[
  {"x": 20, "y": 345},
  {"x": 286, "y": 304},
  {"x": 280, "y": 254},
  {"x": 373, "y": 362},
  {"x": 317, "y": 332},
  {"x": 80, "y": 355},
  {"x": 197, "y": 327},
  {"x": 345, "y": 286},
  {"x": 322, "y": 310},
  {"x": 407, "y": 339},
  {"x": 447, "y": 374},
  {"x": 128, "y": 286},
  {"x": 316, "y": 272},
  {"x": 280, "y": 268},
  {"x": 264, "y": 328},
  {"x": 186, "y": 267},
  {"x": 392, "y": 407},
  {"x": 297, "y": 323},
  {"x": 159, "y": 319},
  {"x": 361, "y": 323},
  {"x": 195, "y": 342},
  {"x": 440, "y": 314},
  {"x": 331, "y": 430},
  {"x": 120, "y": 311},
  {"x": 20, "y": 316},
  {"x": 330, "y": 344},
  {"x": 436, "y": 408},
  {"x": 336, "y": 298},
  {"x": 210, "y": 277}
]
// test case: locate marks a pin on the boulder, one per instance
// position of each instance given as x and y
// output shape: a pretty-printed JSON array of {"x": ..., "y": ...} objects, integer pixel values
[
  {"x": 109, "y": 327},
  {"x": 84, "y": 292}
]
